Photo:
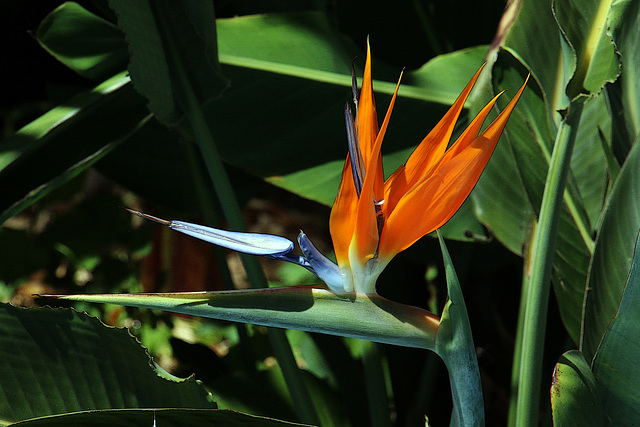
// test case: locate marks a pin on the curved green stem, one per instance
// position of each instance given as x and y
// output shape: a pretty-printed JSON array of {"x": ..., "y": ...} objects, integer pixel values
[
  {"x": 207, "y": 205},
  {"x": 543, "y": 250},
  {"x": 376, "y": 385},
  {"x": 517, "y": 353},
  {"x": 232, "y": 212}
]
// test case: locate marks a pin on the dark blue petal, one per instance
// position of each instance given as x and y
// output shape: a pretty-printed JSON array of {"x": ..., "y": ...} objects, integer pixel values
[
  {"x": 322, "y": 266},
  {"x": 357, "y": 164}
]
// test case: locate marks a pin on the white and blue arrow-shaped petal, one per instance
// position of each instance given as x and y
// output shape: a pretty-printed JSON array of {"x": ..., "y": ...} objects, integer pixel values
[{"x": 266, "y": 245}]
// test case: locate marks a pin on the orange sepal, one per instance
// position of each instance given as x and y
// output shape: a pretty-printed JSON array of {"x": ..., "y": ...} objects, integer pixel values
[
  {"x": 432, "y": 202},
  {"x": 366, "y": 234},
  {"x": 433, "y": 146},
  {"x": 428, "y": 153},
  {"x": 343, "y": 215},
  {"x": 471, "y": 132},
  {"x": 367, "y": 116}
]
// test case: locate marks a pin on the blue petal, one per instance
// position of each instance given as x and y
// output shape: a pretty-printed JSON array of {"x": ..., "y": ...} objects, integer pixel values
[
  {"x": 266, "y": 245},
  {"x": 322, "y": 266},
  {"x": 248, "y": 243}
]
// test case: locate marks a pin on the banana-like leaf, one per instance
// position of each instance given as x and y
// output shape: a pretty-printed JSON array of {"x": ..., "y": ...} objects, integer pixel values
[
  {"x": 56, "y": 361},
  {"x": 165, "y": 37},
  {"x": 612, "y": 257},
  {"x": 584, "y": 26},
  {"x": 305, "y": 308},
  {"x": 102, "y": 51},
  {"x": 574, "y": 393},
  {"x": 625, "y": 23},
  {"x": 615, "y": 365}
]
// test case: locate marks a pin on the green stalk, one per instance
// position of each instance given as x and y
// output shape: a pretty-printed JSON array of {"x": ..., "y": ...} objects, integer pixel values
[
  {"x": 207, "y": 204},
  {"x": 517, "y": 353},
  {"x": 543, "y": 251},
  {"x": 375, "y": 384},
  {"x": 232, "y": 212}
]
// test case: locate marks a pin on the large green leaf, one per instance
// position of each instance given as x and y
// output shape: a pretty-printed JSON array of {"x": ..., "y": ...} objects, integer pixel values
[
  {"x": 544, "y": 58},
  {"x": 525, "y": 155},
  {"x": 584, "y": 26},
  {"x": 295, "y": 143},
  {"x": 574, "y": 393},
  {"x": 165, "y": 37},
  {"x": 588, "y": 181},
  {"x": 613, "y": 253},
  {"x": 615, "y": 365},
  {"x": 56, "y": 361},
  {"x": 99, "y": 51},
  {"x": 155, "y": 417},
  {"x": 625, "y": 111}
]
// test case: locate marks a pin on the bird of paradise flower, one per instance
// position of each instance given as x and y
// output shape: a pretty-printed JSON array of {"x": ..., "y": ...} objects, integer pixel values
[{"x": 374, "y": 219}]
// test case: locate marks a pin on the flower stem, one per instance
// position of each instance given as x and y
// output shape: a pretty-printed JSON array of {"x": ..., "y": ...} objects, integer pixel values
[
  {"x": 543, "y": 250},
  {"x": 208, "y": 207},
  {"x": 376, "y": 385},
  {"x": 517, "y": 353},
  {"x": 232, "y": 212}
]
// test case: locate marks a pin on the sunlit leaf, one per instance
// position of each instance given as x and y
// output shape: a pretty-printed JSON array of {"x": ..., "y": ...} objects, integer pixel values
[
  {"x": 89, "y": 45},
  {"x": 56, "y": 361},
  {"x": 584, "y": 25},
  {"x": 574, "y": 393}
]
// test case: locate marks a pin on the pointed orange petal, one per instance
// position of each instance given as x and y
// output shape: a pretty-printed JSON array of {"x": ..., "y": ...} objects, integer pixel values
[
  {"x": 367, "y": 116},
  {"x": 433, "y": 146},
  {"x": 343, "y": 215},
  {"x": 471, "y": 132},
  {"x": 432, "y": 202},
  {"x": 394, "y": 188},
  {"x": 428, "y": 153},
  {"x": 366, "y": 236},
  {"x": 495, "y": 128}
]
